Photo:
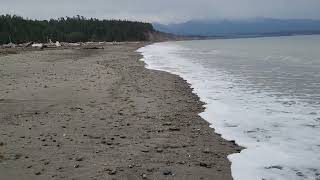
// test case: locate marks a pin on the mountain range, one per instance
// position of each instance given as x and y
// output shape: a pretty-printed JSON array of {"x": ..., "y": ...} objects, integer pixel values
[{"x": 253, "y": 27}]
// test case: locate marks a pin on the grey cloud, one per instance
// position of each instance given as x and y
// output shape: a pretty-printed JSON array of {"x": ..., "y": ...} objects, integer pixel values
[{"x": 164, "y": 10}]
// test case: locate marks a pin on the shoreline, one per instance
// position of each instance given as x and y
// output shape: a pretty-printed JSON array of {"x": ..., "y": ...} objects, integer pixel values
[{"x": 91, "y": 114}]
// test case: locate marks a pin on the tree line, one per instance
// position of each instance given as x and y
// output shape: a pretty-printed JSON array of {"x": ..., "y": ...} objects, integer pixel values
[{"x": 17, "y": 29}]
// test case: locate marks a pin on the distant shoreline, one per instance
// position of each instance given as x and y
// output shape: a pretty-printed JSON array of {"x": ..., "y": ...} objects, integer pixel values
[{"x": 194, "y": 37}]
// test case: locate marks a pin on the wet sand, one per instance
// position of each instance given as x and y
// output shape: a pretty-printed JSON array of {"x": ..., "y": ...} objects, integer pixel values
[{"x": 99, "y": 114}]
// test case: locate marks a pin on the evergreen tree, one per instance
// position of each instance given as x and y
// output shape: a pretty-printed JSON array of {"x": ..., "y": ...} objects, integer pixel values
[{"x": 72, "y": 29}]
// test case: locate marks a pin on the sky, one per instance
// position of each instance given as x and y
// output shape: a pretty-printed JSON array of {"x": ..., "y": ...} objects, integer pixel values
[{"x": 164, "y": 11}]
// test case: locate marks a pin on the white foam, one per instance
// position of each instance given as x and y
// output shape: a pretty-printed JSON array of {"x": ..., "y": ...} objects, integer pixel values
[{"x": 280, "y": 139}]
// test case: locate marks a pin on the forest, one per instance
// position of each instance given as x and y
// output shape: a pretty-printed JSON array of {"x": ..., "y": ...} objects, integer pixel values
[{"x": 17, "y": 29}]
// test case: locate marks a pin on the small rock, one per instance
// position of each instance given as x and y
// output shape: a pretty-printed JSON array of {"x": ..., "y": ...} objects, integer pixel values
[
  {"x": 144, "y": 176},
  {"x": 167, "y": 124},
  {"x": 174, "y": 129},
  {"x": 38, "y": 173},
  {"x": 17, "y": 156},
  {"x": 274, "y": 167},
  {"x": 145, "y": 150},
  {"x": 159, "y": 150},
  {"x": 167, "y": 172},
  {"x": 203, "y": 164},
  {"x": 206, "y": 151},
  {"x": 112, "y": 172},
  {"x": 80, "y": 159},
  {"x": 150, "y": 169},
  {"x": 299, "y": 174},
  {"x": 76, "y": 166},
  {"x": 233, "y": 142}
]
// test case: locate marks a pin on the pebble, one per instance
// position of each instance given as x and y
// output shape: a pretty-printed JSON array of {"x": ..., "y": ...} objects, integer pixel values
[
  {"x": 167, "y": 172},
  {"x": 203, "y": 164},
  {"x": 80, "y": 159},
  {"x": 145, "y": 150},
  {"x": 206, "y": 151},
  {"x": 17, "y": 156},
  {"x": 150, "y": 169},
  {"x": 112, "y": 172},
  {"x": 174, "y": 129},
  {"x": 274, "y": 167},
  {"x": 159, "y": 150},
  {"x": 167, "y": 124},
  {"x": 144, "y": 176}
]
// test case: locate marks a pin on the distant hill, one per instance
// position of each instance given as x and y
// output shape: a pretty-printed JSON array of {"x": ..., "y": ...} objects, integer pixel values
[
  {"x": 71, "y": 29},
  {"x": 262, "y": 26}
]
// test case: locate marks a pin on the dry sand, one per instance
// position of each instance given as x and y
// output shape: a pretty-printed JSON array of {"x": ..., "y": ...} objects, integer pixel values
[{"x": 99, "y": 114}]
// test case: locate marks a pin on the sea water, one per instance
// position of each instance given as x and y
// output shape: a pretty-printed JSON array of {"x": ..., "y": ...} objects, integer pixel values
[{"x": 264, "y": 93}]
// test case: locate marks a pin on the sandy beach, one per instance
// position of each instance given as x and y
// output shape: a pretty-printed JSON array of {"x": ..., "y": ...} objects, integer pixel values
[{"x": 100, "y": 114}]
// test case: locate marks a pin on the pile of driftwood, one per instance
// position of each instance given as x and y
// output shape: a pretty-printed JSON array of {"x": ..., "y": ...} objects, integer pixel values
[
  {"x": 31, "y": 44},
  {"x": 57, "y": 44}
]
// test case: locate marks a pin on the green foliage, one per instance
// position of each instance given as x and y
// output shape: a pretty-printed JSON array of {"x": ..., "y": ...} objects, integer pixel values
[
  {"x": 73, "y": 29},
  {"x": 76, "y": 37},
  {"x": 4, "y": 38}
]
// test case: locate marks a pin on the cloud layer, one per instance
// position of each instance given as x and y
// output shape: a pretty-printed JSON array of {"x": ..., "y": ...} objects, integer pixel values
[{"x": 164, "y": 10}]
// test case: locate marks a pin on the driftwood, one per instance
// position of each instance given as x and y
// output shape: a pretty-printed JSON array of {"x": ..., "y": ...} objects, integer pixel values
[{"x": 29, "y": 44}]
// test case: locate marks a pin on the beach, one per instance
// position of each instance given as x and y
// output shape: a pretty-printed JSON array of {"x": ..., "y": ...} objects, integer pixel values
[{"x": 100, "y": 114}]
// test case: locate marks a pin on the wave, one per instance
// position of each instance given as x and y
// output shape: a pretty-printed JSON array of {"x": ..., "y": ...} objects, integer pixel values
[{"x": 281, "y": 134}]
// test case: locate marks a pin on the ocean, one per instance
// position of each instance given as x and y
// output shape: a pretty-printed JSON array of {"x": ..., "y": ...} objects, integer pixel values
[{"x": 264, "y": 93}]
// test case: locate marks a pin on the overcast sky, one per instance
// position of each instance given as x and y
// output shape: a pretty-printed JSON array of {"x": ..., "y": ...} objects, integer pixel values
[{"x": 164, "y": 11}]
